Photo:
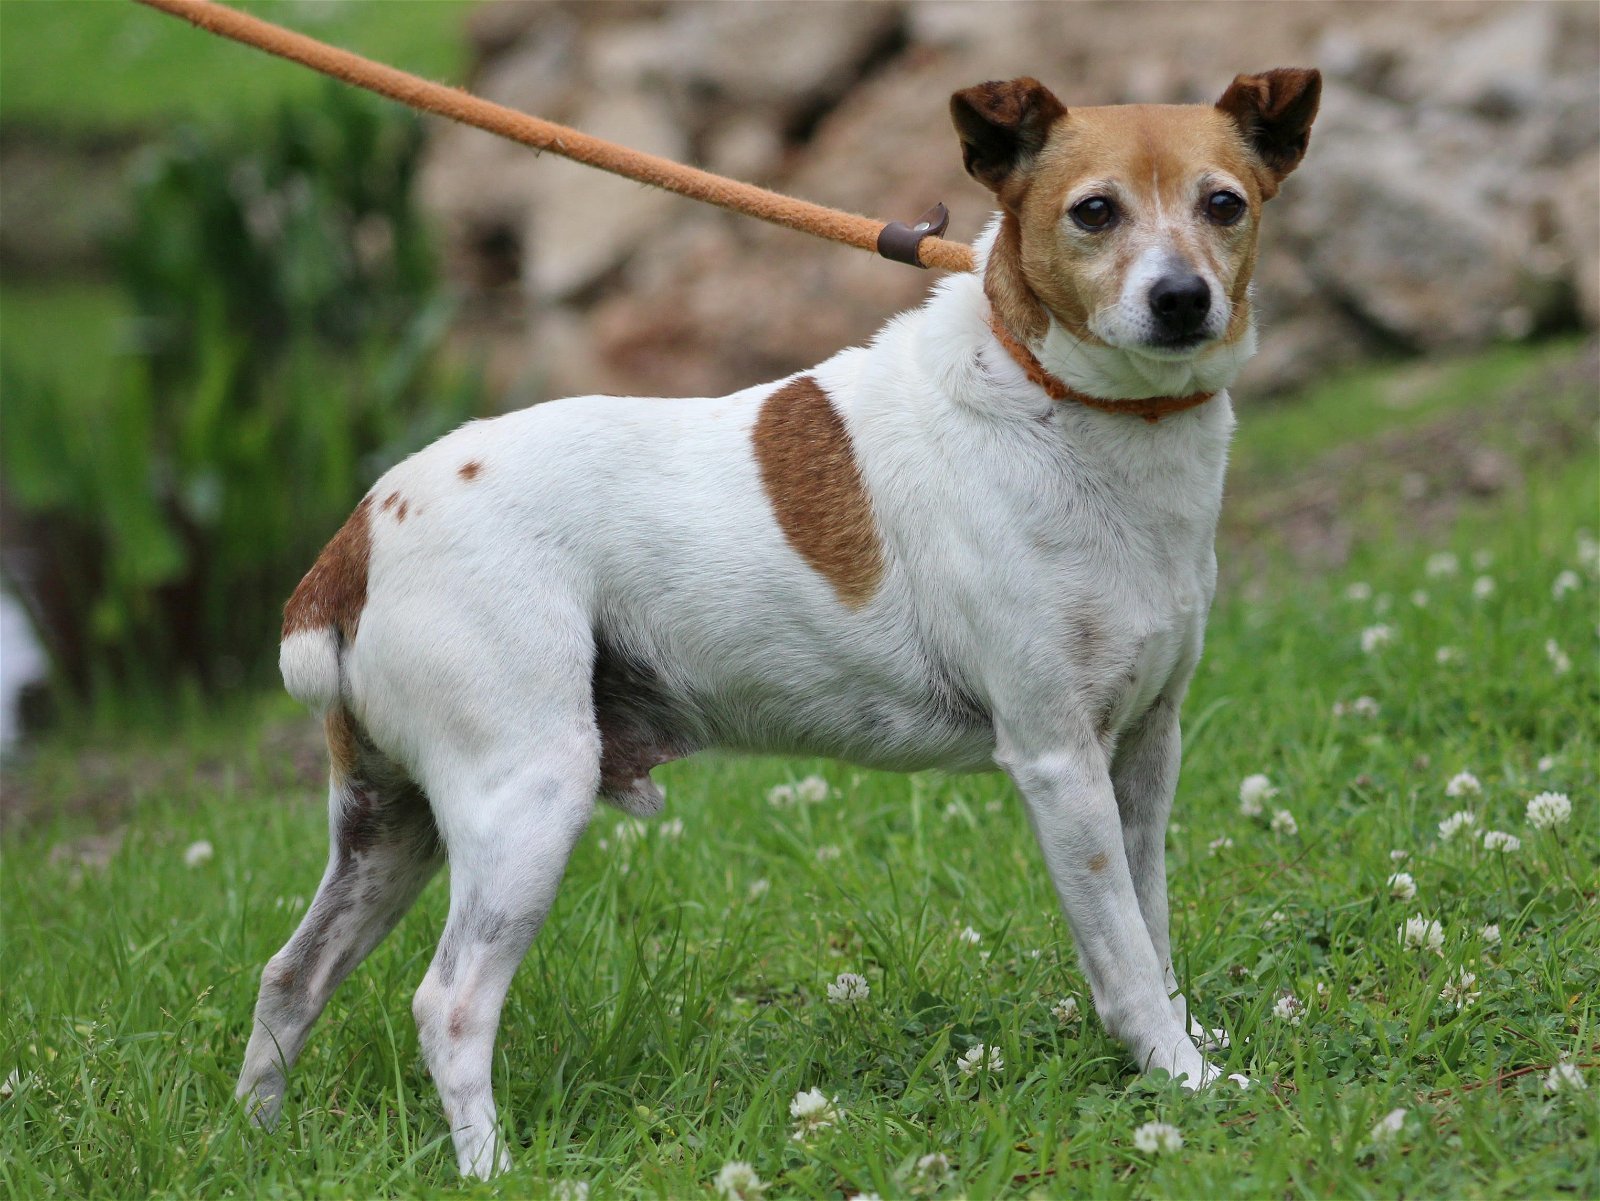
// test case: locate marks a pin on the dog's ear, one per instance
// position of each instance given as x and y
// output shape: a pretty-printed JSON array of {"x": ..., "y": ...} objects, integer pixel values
[
  {"x": 1002, "y": 125},
  {"x": 1274, "y": 111}
]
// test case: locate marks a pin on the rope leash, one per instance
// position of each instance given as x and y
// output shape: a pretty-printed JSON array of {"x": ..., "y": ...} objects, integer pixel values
[{"x": 918, "y": 244}]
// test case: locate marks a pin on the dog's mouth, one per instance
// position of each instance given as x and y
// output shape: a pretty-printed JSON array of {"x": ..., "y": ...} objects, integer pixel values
[{"x": 1173, "y": 349}]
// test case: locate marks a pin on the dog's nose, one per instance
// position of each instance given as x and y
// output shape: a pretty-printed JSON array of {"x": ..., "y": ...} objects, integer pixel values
[{"x": 1180, "y": 304}]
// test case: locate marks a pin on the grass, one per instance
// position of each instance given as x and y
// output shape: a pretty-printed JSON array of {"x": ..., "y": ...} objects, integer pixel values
[
  {"x": 106, "y": 65},
  {"x": 672, "y": 1009}
]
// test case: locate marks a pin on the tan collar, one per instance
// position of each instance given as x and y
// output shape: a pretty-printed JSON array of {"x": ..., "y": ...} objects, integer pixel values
[{"x": 1151, "y": 408}]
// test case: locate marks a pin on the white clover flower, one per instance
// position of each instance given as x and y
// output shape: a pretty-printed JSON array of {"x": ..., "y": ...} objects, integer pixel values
[
  {"x": 994, "y": 806},
  {"x": 1283, "y": 823},
  {"x": 981, "y": 1058},
  {"x": 1565, "y": 1078},
  {"x": 629, "y": 831},
  {"x": 813, "y": 790},
  {"x": 1499, "y": 840},
  {"x": 1549, "y": 810},
  {"x": 1419, "y": 598},
  {"x": 1362, "y": 706},
  {"x": 848, "y": 989},
  {"x": 968, "y": 935},
  {"x": 1358, "y": 591},
  {"x": 1446, "y": 655},
  {"x": 1546, "y": 762},
  {"x": 758, "y": 888},
  {"x": 952, "y": 811},
  {"x": 1402, "y": 886},
  {"x": 1388, "y": 1127},
  {"x": 1289, "y": 1008},
  {"x": 1588, "y": 550},
  {"x": 1065, "y": 1010},
  {"x": 1274, "y": 919},
  {"x": 1463, "y": 783},
  {"x": 1483, "y": 587},
  {"x": 1376, "y": 636},
  {"x": 1463, "y": 819},
  {"x": 781, "y": 796},
  {"x": 1459, "y": 990},
  {"x": 1219, "y": 844},
  {"x": 1399, "y": 856},
  {"x": 738, "y": 1182},
  {"x": 1253, "y": 791},
  {"x": 671, "y": 830},
  {"x": 1442, "y": 563},
  {"x": 1559, "y": 662},
  {"x": 1567, "y": 581},
  {"x": 828, "y": 853},
  {"x": 569, "y": 1190},
  {"x": 812, "y": 1111},
  {"x": 932, "y": 1169},
  {"x": 1420, "y": 934},
  {"x": 1158, "y": 1138},
  {"x": 1490, "y": 934},
  {"x": 197, "y": 853}
]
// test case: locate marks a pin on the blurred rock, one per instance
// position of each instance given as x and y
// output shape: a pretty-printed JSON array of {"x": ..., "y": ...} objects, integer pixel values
[{"x": 1449, "y": 198}]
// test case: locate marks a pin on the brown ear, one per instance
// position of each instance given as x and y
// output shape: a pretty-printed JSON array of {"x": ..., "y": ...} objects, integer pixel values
[
  {"x": 1002, "y": 125},
  {"x": 1274, "y": 111}
]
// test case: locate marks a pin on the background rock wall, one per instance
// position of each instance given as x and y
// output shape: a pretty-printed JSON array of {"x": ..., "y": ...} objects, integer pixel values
[{"x": 1450, "y": 197}]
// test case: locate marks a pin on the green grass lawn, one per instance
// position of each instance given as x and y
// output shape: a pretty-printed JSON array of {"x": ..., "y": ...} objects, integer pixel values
[
  {"x": 102, "y": 65},
  {"x": 677, "y": 1001}
]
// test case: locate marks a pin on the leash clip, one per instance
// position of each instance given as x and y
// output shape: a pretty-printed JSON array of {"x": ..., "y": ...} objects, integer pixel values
[{"x": 899, "y": 241}]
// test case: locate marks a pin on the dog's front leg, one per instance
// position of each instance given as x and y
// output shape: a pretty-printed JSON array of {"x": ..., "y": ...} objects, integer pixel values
[
  {"x": 1144, "y": 776},
  {"x": 1065, "y": 783}
]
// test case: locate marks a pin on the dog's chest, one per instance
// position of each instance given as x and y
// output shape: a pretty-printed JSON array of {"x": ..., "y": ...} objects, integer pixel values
[{"x": 1135, "y": 569}]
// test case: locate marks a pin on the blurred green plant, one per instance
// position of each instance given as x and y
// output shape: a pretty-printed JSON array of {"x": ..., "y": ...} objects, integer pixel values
[{"x": 287, "y": 323}]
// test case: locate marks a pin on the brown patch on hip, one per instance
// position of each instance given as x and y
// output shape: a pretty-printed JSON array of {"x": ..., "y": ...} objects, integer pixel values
[
  {"x": 334, "y": 592},
  {"x": 809, "y": 473},
  {"x": 1098, "y": 861},
  {"x": 343, "y": 744},
  {"x": 469, "y": 470}
]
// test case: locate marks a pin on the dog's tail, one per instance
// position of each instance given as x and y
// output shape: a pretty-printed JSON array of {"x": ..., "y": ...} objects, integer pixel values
[
  {"x": 321, "y": 617},
  {"x": 309, "y": 663}
]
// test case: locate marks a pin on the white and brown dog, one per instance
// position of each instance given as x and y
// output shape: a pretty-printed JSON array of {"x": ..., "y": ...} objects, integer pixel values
[{"x": 984, "y": 539}]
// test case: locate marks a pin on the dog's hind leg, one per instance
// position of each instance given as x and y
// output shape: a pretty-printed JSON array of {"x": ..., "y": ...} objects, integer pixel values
[
  {"x": 384, "y": 849},
  {"x": 509, "y": 843}
]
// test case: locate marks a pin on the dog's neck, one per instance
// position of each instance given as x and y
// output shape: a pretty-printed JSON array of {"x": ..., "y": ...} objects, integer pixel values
[{"x": 1083, "y": 366}]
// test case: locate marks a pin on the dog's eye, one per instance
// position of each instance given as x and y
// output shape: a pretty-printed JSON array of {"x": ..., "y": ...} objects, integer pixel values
[
  {"x": 1094, "y": 214},
  {"x": 1225, "y": 207}
]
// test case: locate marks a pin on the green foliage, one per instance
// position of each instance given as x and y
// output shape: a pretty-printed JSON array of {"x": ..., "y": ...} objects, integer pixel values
[
  {"x": 94, "y": 65},
  {"x": 670, "y": 1010},
  {"x": 287, "y": 321}
]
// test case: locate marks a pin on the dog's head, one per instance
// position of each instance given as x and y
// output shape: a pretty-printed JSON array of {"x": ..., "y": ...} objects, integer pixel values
[{"x": 1134, "y": 226}]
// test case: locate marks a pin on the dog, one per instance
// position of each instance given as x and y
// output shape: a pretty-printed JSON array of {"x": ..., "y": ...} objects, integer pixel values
[{"x": 984, "y": 539}]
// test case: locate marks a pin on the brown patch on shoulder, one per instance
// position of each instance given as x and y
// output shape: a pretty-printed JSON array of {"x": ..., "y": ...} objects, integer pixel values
[
  {"x": 334, "y": 592},
  {"x": 1098, "y": 861},
  {"x": 470, "y": 470},
  {"x": 390, "y": 501},
  {"x": 809, "y": 472},
  {"x": 400, "y": 513}
]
